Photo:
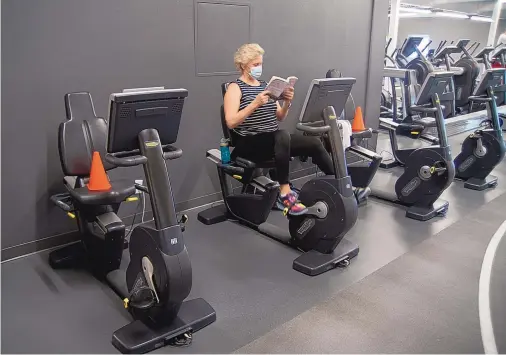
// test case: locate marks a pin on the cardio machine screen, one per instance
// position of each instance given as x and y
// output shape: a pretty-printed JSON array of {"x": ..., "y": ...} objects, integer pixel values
[
  {"x": 435, "y": 83},
  {"x": 133, "y": 111},
  {"x": 325, "y": 92},
  {"x": 413, "y": 43},
  {"x": 490, "y": 78}
]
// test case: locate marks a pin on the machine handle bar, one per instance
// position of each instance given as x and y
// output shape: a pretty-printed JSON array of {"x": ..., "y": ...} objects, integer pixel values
[
  {"x": 133, "y": 157},
  {"x": 309, "y": 129}
]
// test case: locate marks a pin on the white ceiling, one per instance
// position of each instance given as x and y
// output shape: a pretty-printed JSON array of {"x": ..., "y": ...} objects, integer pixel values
[{"x": 482, "y": 7}]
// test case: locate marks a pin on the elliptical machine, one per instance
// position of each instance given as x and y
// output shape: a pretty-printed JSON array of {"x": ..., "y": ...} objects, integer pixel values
[
  {"x": 332, "y": 207},
  {"x": 420, "y": 175},
  {"x": 411, "y": 57},
  {"x": 466, "y": 71},
  {"x": 142, "y": 126},
  {"x": 483, "y": 149}
]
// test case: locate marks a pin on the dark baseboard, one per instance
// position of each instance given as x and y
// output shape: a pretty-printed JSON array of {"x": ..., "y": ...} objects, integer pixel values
[
  {"x": 73, "y": 236},
  {"x": 38, "y": 245},
  {"x": 61, "y": 239}
]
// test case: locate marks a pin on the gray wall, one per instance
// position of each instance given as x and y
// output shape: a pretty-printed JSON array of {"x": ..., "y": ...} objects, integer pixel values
[
  {"x": 443, "y": 29},
  {"x": 51, "y": 47}
]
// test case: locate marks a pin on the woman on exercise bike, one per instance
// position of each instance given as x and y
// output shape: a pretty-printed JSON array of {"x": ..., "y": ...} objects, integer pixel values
[{"x": 251, "y": 114}]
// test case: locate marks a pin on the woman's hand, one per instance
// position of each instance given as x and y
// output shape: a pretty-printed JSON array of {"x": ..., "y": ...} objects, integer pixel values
[
  {"x": 261, "y": 99},
  {"x": 287, "y": 98},
  {"x": 288, "y": 94}
]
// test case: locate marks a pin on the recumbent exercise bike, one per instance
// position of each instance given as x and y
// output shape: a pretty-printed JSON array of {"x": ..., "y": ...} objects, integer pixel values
[
  {"x": 332, "y": 207},
  {"x": 142, "y": 126}
]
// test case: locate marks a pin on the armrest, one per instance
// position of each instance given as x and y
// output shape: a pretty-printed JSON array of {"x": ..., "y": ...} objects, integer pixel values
[
  {"x": 63, "y": 201},
  {"x": 231, "y": 169},
  {"x": 411, "y": 126},
  {"x": 387, "y": 123},
  {"x": 125, "y": 159},
  {"x": 215, "y": 156},
  {"x": 245, "y": 163},
  {"x": 310, "y": 129},
  {"x": 365, "y": 153},
  {"x": 142, "y": 188},
  {"x": 423, "y": 109},
  {"x": 425, "y": 122},
  {"x": 362, "y": 134},
  {"x": 480, "y": 99},
  {"x": 411, "y": 130},
  {"x": 170, "y": 152}
]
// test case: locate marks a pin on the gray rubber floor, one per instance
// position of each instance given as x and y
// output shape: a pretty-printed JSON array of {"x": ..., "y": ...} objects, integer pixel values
[
  {"x": 249, "y": 280},
  {"x": 426, "y": 301}
]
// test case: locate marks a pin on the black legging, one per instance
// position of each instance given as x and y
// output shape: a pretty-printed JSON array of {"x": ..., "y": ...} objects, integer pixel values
[{"x": 282, "y": 145}]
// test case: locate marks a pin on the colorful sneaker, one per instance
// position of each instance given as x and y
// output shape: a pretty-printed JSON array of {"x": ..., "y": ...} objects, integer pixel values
[
  {"x": 295, "y": 190},
  {"x": 289, "y": 204}
]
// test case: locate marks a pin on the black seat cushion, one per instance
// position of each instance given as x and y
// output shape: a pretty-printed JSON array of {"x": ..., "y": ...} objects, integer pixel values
[
  {"x": 80, "y": 135},
  {"x": 120, "y": 191}
]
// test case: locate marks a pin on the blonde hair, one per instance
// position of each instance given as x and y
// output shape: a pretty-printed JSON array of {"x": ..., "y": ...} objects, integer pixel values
[{"x": 246, "y": 53}]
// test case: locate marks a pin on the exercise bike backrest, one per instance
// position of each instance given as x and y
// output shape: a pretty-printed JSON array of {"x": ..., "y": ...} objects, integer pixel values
[
  {"x": 227, "y": 133},
  {"x": 80, "y": 135}
]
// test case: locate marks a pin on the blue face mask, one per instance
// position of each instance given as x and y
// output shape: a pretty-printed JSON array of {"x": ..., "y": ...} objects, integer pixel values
[{"x": 256, "y": 72}]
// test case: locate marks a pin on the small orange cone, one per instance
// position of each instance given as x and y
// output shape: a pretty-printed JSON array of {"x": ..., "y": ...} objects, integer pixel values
[
  {"x": 98, "y": 177},
  {"x": 358, "y": 121}
]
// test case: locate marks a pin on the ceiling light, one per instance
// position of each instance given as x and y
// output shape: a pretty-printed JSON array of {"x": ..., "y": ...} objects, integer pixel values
[
  {"x": 481, "y": 18},
  {"x": 451, "y": 14},
  {"x": 415, "y": 10}
]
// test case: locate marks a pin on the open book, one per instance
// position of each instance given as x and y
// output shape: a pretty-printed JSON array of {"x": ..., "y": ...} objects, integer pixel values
[{"x": 277, "y": 85}]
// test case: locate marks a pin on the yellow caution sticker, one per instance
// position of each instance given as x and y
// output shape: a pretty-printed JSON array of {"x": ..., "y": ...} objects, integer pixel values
[
  {"x": 71, "y": 215},
  {"x": 151, "y": 144},
  {"x": 238, "y": 177},
  {"x": 132, "y": 198}
]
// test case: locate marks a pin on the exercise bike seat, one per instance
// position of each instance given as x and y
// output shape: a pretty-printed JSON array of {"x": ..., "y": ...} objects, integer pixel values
[
  {"x": 78, "y": 137},
  {"x": 120, "y": 190}
]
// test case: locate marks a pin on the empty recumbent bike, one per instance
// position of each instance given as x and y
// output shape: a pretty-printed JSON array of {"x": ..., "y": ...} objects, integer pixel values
[{"x": 143, "y": 124}]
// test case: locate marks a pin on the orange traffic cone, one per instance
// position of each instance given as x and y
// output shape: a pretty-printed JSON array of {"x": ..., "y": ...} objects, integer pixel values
[
  {"x": 98, "y": 177},
  {"x": 358, "y": 121}
]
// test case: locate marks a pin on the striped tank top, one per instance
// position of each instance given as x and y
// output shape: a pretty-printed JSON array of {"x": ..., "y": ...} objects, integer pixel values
[{"x": 263, "y": 119}]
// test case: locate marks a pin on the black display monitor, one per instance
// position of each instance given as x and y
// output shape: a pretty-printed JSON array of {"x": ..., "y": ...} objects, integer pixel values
[
  {"x": 323, "y": 93},
  {"x": 499, "y": 51},
  {"x": 412, "y": 43},
  {"x": 450, "y": 49},
  {"x": 135, "y": 110},
  {"x": 490, "y": 78},
  {"x": 462, "y": 43},
  {"x": 484, "y": 51},
  {"x": 435, "y": 83}
]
